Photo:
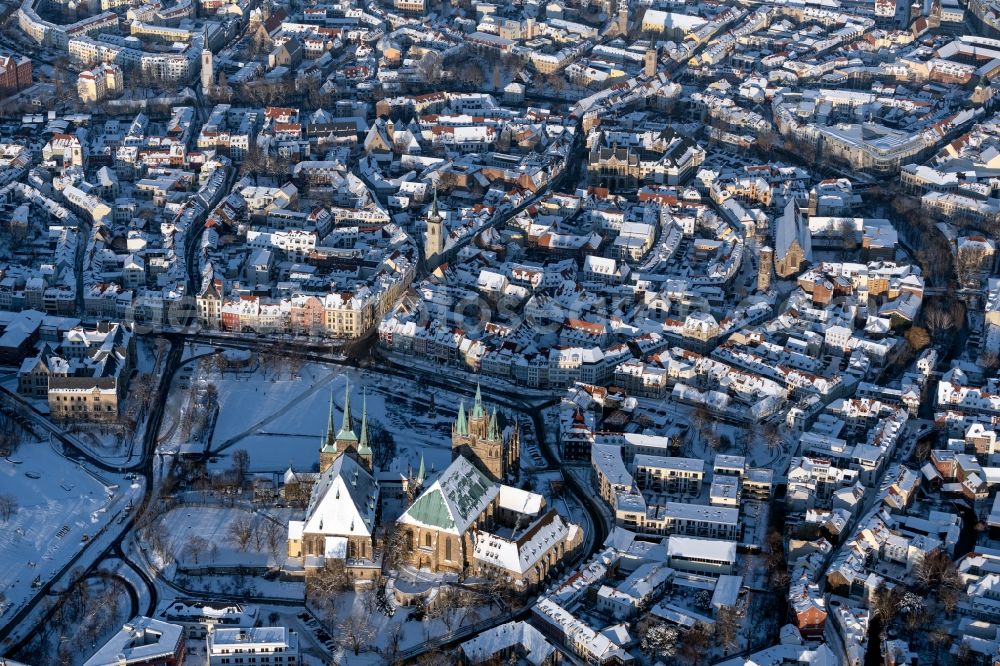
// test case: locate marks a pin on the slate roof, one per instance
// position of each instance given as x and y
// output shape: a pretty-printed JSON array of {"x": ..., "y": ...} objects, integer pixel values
[{"x": 454, "y": 501}]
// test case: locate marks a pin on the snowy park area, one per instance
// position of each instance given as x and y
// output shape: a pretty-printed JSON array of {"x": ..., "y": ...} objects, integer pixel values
[
  {"x": 279, "y": 415},
  {"x": 93, "y": 611},
  {"x": 60, "y": 506},
  {"x": 382, "y": 638},
  {"x": 205, "y": 536}
]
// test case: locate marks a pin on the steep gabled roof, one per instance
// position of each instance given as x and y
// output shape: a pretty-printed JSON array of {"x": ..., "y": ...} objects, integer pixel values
[
  {"x": 454, "y": 501},
  {"x": 343, "y": 500}
]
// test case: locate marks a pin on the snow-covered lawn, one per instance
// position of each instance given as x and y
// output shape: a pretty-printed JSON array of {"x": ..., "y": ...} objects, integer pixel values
[
  {"x": 251, "y": 399},
  {"x": 281, "y": 421},
  {"x": 59, "y": 502},
  {"x": 272, "y": 453},
  {"x": 390, "y": 402},
  {"x": 247, "y": 400},
  {"x": 184, "y": 523},
  {"x": 250, "y": 587}
]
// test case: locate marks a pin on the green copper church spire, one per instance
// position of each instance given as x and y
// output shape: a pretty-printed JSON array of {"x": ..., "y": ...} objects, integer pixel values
[
  {"x": 477, "y": 407},
  {"x": 347, "y": 425},
  {"x": 330, "y": 437},
  {"x": 461, "y": 425},
  {"x": 363, "y": 448},
  {"x": 421, "y": 474},
  {"x": 493, "y": 430}
]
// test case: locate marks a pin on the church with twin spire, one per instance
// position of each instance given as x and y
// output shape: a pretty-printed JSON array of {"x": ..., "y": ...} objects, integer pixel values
[
  {"x": 462, "y": 519},
  {"x": 344, "y": 505},
  {"x": 345, "y": 441},
  {"x": 480, "y": 438}
]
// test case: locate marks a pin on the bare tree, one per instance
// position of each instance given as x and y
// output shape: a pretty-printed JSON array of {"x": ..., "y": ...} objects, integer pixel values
[
  {"x": 694, "y": 642},
  {"x": 240, "y": 531},
  {"x": 324, "y": 583},
  {"x": 383, "y": 444},
  {"x": 939, "y": 638},
  {"x": 727, "y": 629},
  {"x": 258, "y": 535},
  {"x": 936, "y": 569},
  {"x": 10, "y": 435},
  {"x": 714, "y": 442},
  {"x": 886, "y": 602},
  {"x": 8, "y": 506},
  {"x": 197, "y": 546},
  {"x": 430, "y": 66},
  {"x": 917, "y": 337},
  {"x": 449, "y": 607},
  {"x": 969, "y": 262},
  {"x": 774, "y": 552},
  {"x": 356, "y": 632},
  {"x": 393, "y": 546},
  {"x": 297, "y": 493},
  {"x": 701, "y": 418},
  {"x": 471, "y": 73},
  {"x": 274, "y": 536},
  {"x": 772, "y": 437},
  {"x": 497, "y": 76},
  {"x": 939, "y": 321},
  {"x": 143, "y": 387},
  {"x": 156, "y": 537},
  {"x": 848, "y": 234},
  {"x": 241, "y": 466},
  {"x": 392, "y": 645},
  {"x": 937, "y": 574},
  {"x": 767, "y": 142}
]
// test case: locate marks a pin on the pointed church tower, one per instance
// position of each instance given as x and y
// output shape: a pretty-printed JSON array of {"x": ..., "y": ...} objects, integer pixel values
[
  {"x": 461, "y": 426},
  {"x": 346, "y": 434},
  {"x": 337, "y": 443},
  {"x": 207, "y": 65},
  {"x": 328, "y": 449},
  {"x": 365, "y": 455},
  {"x": 493, "y": 432},
  {"x": 477, "y": 407},
  {"x": 434, "y": 237},
  {"x": 481, "y": 439}
]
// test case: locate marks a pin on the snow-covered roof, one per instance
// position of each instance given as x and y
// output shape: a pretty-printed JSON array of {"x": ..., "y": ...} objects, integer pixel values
[
  {"x": 343, "y": 501},
  {"x": 712, "y": 550},
  {"x": 258, "y": 637},
  {"x": 785, "y": 654},
  {"x": 520, "y": 501},
  {"x": 141, "y": 639},
  {"x": 454, "y": 501},
  {"x": 520, "y": 554},
  {"x": 536, "y": 650}
]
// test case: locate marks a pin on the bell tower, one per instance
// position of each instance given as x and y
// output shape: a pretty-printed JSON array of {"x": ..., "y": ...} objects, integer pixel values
[
  {"x": 328, "y": 449},
  {"x": 434, "y": 237},
  {"x": 207, "y": 66},
  {"x": 479, "y": 438},
  {"x": 365, "y": 455},
  {"x": 650, "y": 62},
  {"x": 623, "y": 17}
]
